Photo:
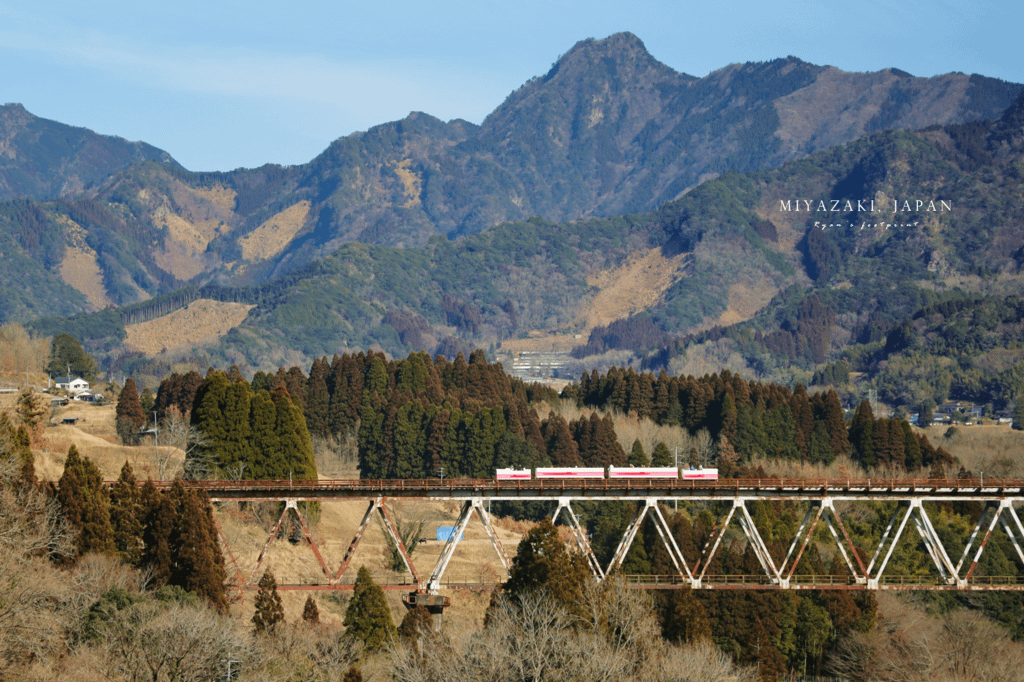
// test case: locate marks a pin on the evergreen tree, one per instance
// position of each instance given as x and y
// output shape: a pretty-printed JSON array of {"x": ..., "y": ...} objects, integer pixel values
[
  {"x": 159, "y": 517},
  {"x": 126, "y": 516},
  {"x": 637, "y": 456},
  {"x": 685, "y": 620},
  {"x": 803, "y": 419},
  {"x": 236, "y": 440},
  {"x": 269, "y": 608},
  {"x": 368, "y": 618},
  {"x": 17, "y": 444},
  {"x": 130, "y": 417},
  {"x": 129, "y": 405},
  {"x": 297, "y": 458},
  {"x": 416, "y": 623},
  {"x": 561, "y": 447},
  {"x": 208, "y": 416},
  {"x": 924, "y": 414},
  {"x": 819, "y": 449},
  {"x": 147, "y": 401},
  {"x": 83, "y": 498},
  {"x": 835, "y": 422},
  {"x": 177, "y": 391},
  {"x": 862, "y": 434},
  {"x": 310, "y": 612},
  {"x": 318, "y": 399},
  {"x": 662, "y": 456},
  {"x": 542, "y": 562},
  {"x": 265, "y": 443},
  {"x": 31, "y": 409},
  {"x": 67, "y": 354},
  {"x": 198, "y": 565}
]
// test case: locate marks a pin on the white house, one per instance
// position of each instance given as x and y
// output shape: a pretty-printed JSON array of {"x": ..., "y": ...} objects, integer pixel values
[{"x": 72, "y": 385}]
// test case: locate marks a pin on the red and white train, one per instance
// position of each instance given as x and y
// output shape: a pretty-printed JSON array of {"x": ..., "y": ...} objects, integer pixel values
[{"x": 612, "y": 472}]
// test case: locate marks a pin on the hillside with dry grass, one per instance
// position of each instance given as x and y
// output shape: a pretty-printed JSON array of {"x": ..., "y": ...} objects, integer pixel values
[{"x": 201, "y": 322}]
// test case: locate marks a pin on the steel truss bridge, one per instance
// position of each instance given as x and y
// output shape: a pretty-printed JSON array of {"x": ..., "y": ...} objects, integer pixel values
[{"x": 998, "y": 498}]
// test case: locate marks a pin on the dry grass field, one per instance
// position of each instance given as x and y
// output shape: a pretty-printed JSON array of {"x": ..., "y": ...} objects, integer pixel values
[{"x": 993, "y": 449}]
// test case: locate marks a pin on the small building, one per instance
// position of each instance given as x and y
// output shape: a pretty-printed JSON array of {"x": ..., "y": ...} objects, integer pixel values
[
  {"x": 73, "y": 385},
  {"x": 69, "y": 421}
]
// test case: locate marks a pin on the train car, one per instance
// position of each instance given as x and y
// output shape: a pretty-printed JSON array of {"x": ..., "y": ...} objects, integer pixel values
[
  {"x": 570, "y": 472},
  {"x": 643, "y": 472},
  {"x": 514, "y": 475},
  {"x": 700, "y": 474}
]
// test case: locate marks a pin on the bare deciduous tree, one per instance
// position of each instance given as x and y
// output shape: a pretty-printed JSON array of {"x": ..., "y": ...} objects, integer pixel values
[
  {"x": 153, "y": 641},
  {"x": 21, "y": 353},
  {"x": 409, "y": 526},
  {"x": 964, "y": 646},
  {"x": 33, "y": 594},
  {"x": 535, "y": 638},
  {"x": 179, "y": 450}
]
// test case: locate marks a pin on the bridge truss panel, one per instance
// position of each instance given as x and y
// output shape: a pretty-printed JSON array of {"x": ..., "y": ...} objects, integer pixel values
[{"x": 998, "y": 496}]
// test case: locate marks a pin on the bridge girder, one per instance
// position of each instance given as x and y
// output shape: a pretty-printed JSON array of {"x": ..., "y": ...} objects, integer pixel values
[{"x": 911, "y": 496}]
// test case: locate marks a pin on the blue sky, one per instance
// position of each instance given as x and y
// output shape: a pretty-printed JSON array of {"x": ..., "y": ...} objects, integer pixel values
[{"x": 234, "y": 84}]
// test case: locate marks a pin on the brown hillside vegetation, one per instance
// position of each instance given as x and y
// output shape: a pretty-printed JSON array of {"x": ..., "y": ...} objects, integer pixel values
[
  {"x": 203, "y": 320},
  {"x": 275, "y": 234},
  {"x": 632, "y": 287},
  {"x": 79, "y": 268}
]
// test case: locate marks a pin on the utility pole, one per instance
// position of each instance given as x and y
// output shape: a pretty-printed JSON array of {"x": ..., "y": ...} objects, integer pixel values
[{"x": 676, "y": 501}]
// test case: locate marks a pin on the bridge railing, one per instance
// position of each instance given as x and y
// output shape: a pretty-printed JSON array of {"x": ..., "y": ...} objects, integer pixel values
[{"x": 385, "y": 486}]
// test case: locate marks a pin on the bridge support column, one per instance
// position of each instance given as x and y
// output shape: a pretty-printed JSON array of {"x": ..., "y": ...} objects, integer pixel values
[{"x": 434, "y": 603}]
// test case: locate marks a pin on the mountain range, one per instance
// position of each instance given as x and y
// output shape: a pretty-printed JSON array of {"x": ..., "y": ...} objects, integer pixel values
[
  {"x": 613, "y": 199},
  {"x": 608, "y": 130}
]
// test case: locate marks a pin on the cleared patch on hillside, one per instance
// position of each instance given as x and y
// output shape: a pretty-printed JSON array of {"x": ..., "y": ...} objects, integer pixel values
[
  {"x": 273, "y": 236},
  {"x": 193, "y": 236},
  {"x": 632, "y": 287},
  {"x": 201, "y": 322},
  {"x": 221, "y": 197},
  {"x": 179, "y": 260},
  {"x": 184, "y": 244},
  {"x": 745, "y": 299},
  {"x": 411, "y": 181},
  {"x": 80, "y": 270}
]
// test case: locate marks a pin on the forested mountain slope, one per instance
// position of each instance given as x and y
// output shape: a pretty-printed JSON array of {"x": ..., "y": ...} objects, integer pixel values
[
  {"x": 43, "y": 159},
  {"x": 608, "y": 130},
  {"x": 840, "y": 277}
]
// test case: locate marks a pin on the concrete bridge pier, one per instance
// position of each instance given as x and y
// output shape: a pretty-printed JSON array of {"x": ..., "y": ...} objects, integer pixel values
[{"x": 434, "y": 603}]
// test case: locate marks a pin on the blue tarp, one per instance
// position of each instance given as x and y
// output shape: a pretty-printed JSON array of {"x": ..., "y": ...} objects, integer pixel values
[{"x": 445, "y": 532}]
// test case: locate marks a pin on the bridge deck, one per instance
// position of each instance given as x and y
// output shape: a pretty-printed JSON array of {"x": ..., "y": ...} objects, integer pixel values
[{"x": 433, "y": 489}]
